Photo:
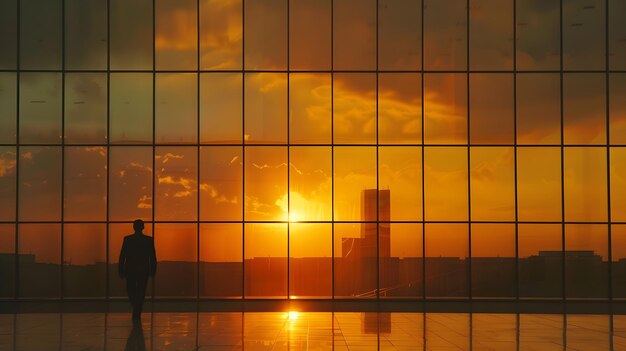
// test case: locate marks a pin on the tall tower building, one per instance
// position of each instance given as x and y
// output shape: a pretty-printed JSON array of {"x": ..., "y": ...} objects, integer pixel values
[{"x": 369, "y": 200}]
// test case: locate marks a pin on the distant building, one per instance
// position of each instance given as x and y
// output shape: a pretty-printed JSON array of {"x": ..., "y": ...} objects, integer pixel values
[{"x": 359, "y": 255}]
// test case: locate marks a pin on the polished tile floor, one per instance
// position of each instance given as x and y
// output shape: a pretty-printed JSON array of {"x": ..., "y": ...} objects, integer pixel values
[{"x": 312, "y": 331}]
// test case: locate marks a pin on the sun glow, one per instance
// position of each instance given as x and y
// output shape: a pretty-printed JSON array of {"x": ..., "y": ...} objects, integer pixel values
[
  {"x": 294, "y": 216},
  {"x": 292, "y": 315},
  {"x": 295, "y": 200}
]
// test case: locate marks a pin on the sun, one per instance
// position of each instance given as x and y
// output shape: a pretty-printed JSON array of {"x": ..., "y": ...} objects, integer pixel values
[
  {"x": 294, "y": 216},
  {"x": 297, "y": 204}
]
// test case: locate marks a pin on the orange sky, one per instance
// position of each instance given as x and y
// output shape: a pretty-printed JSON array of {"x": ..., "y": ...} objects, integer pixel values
[{"x": 305, "y": 173}]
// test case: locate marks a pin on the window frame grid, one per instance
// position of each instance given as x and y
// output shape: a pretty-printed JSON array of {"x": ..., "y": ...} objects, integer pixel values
[{"x": 468, "y": 72}]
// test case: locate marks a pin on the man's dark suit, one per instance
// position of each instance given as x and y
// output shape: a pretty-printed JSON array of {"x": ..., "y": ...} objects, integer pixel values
[{"x": 137, "y": 262}]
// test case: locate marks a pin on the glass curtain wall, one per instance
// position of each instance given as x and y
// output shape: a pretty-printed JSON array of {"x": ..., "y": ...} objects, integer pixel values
[{"x": 346, "y": 149}]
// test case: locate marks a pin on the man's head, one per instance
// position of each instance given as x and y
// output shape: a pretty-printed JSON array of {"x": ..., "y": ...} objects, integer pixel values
[{"x": 138, "y": 226}]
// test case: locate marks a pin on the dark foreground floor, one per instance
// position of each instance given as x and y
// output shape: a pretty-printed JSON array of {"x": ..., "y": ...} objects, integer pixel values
[{"x": 312, "y": 331}]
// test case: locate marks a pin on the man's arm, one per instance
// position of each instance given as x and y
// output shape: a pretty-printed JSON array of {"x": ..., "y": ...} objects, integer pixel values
[
  {"x": 121, "y": 263},
  {"x": 153, "y": 259}
]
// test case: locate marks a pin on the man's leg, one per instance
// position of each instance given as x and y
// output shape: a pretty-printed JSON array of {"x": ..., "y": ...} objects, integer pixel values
[
  {"x": 142, "y": 283},
  {"x": 131, "y": 289}
]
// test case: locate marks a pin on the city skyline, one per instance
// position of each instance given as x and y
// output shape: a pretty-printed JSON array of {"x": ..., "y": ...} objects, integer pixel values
[{"x": 242, "y": 129}]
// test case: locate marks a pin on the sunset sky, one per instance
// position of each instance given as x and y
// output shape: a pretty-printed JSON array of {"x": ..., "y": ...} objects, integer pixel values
[{"x": 300, "y": 115}]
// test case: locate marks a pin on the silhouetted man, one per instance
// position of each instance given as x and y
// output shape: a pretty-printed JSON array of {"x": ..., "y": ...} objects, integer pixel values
[{"x": 137, "y": 262}]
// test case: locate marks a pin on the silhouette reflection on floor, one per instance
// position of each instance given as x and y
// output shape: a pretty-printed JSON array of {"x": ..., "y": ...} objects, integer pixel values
[{"x": 312, "y": 330}]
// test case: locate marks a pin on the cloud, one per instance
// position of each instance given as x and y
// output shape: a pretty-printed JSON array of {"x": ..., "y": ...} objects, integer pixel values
[
  {"x": 145, "y": 202},
  {"x": 186, "y": 183},
  {"x": 7, "y": 163},
  {"x": 97, "y": 149},
  {"x": 222, "y": 33},
  {"x": 168, "y": 157},
  {"x": 216, "y": 196},
  {"x": 139, "y": 166}
]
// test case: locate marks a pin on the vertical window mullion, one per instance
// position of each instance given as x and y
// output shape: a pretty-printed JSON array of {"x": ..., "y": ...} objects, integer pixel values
[{"x": 62, "y": 149}]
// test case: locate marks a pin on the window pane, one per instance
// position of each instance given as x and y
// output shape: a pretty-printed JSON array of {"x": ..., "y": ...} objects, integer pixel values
[
  {"x": 176, "y": 108},
  {"x": 618, "y": 184},
  {"x": 176, "y": 183},
  {"x": 399, "y": 35},
  {"x": 40, "y": 260},
  {"x": 221, "y": 183},
  {"x": 7, "y": 183},
  {"x": 86, "y": 108},
  {"x": 117, "y": 232},
  {"x": 176, "y": 31},
  {"x": 354, "y": 31},
  {"x": 310, "y": 261},
  {"x": 485, "y": 325},
  {"x": 493, "y": 260},
  {"x": 51, "y": 325},
  {"x": 539, "y": 184},
  {"x": 265, "y": 260},
  {"x": 8, "y": 107},
  {"x": 177, "y": 256},
  {"x": 355, "y": 172},
  {"x": 265, "y": 108},
  {"x": 309, "y": 34},
  {"x": 445, "y": 182},
  {"x": 220, "y": 34},
  {"x": 401, "y": 260},
  {"x": 538, "y": 35},
  {"x": 538, "y": 109},
  {"x": 355, "y": 260},
  {"x": 447, "y": 249},
  {"x": 310, "y": 187},
  {"x": 220, "y": 108},
  {"x": 438, "y": 326},
  {"x": 584, "y": 108},
  {"x": 445, "y": 107},
  {"x": 585, "y": 184},
  {"x": 84, "y": 250},
  {"x": 40, "y": 34},
  {"x": 492, "y": 183},
  {"x": 310, "y": 108},
  {"x": 586, "y": 256},
  {"x": 583, "y": 34},
  {"x": 131, "y": 34},
  {"x": 617, "y": 107},
  {"x": 266, "y": 34},
  {"x": 548, "y": 327},
  {"x": 88, "y": 336},
  {"x": 540, "y": 260},
  {"x": 7, "y": 264},
  {"x": 40, "y": 108},
  {"x": 40, "y": 184},
  {"x": 130, "y": 108},
  {"x": 584, "y": 331},
  {"x": 8, "y": 34},
  {"x": 85, "y": 34},
  {"x": 400, "y": 171},
  {"x": 354, "y": 107},
  {"x": 399, "y": 108},
  {"x": 617, "y": 35},
  {"x": 130, "y": 183},
  {"x": 445, "y": 34},
  {"x": 491, "y": 112},
  {"x": 265, "y": 183},
  {"x": 618, "y": 264},
  {"x": 220, "y": 260},
  {"x": 85, "y": 180},
  {"x": 491, "y": 34}
]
